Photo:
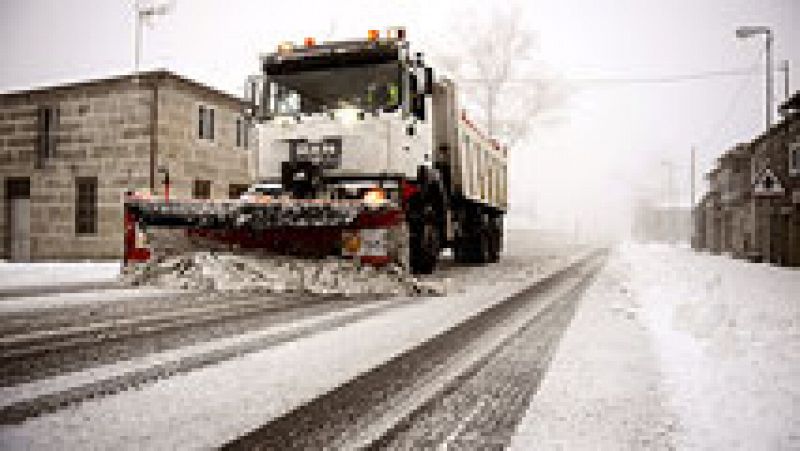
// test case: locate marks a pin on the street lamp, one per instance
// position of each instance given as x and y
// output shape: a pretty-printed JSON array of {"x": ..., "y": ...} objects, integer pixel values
[
  {"x": 750, "y": 31},
  {"x": 143, "y": 13}
]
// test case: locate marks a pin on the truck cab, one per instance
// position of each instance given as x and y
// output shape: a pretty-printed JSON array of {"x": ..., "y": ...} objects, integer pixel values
[{"x": 369, "y": 112}]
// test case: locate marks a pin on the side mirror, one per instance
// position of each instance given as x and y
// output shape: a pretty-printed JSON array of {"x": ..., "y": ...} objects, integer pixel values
[{"x": 257, "y": 97}]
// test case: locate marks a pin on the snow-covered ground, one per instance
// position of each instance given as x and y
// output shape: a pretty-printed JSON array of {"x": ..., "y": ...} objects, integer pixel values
[
  {"x": 56, "y": 300},
  {"x": 672, "y": 348},
  {"x": 30, "y": 275},
  {"x": 212, "y": 405}
]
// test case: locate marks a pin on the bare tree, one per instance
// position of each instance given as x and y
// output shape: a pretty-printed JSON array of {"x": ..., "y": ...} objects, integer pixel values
[{"x": 493, "y": 61}]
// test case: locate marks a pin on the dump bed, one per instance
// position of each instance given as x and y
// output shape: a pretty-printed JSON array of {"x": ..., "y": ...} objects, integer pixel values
[{"x": 478, "y": 165}]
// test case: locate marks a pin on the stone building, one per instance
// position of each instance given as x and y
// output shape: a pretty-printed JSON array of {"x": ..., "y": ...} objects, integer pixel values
[{"x": 68, "y": 153}]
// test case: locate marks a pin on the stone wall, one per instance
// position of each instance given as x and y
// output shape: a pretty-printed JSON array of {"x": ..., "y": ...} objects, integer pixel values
[
  {"x": 102, "y": 132},
  {"x": 189, "y": 157}
]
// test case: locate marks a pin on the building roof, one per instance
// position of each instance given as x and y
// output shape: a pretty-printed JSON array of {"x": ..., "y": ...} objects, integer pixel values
[
  {"x": 791, "y": 113},
  {"x": 146, "y": 75},
  {"x": 713, "y": 172},
  {"x": 741, "y": 150},
  {"x": 791, "y": 105}
]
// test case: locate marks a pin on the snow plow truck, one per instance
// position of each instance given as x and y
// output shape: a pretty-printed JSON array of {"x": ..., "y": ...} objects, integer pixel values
[{"x": 363, "y": 153}]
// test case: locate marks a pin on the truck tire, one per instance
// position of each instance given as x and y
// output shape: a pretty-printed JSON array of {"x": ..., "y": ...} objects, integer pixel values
[
  {"x": 464, "y": 247},
  {"x": 424, "y": 238},
  {"x": 476, "y": 241},
  {"x": 496, "y": 239}
]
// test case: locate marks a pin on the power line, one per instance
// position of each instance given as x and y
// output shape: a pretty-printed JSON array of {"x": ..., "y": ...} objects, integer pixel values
[
  {"x": 732, "y": 104},
  {"x": 711, "y": 74},
  {"x": 718, "y": 127}
]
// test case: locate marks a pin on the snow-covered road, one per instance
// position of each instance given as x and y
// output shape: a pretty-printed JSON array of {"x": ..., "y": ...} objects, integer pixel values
[
  {"x": 216, "y": 404},
  {"x": 671, "y": 348}
]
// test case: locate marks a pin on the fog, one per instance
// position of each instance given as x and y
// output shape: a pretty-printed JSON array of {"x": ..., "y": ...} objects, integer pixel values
[{"x": 643, "y": 81}]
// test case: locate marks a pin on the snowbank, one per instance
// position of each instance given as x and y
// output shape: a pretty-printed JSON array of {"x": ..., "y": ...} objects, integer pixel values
[
  {"x": 30, "y": 275},
  {"x": 671, "y": 348},
  {"x": 727, "y": 337}
]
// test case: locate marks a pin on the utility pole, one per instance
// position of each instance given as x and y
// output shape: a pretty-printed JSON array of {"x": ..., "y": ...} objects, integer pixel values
[
  {"x": 137, "y": 38},
  {"x": 750, "y": 31},
  {"x": 785, "y": 70},
  {"x": 691, "y": 203},
  {"x": 769, "y": 80},
  {"x": 692, "y": 228},
  {"x": 666, "y": 214},
  {"x": 143, "y": 13}
]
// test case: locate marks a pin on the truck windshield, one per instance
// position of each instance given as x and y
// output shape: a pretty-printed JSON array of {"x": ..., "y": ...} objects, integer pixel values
[{"x": 367, "y": 87}]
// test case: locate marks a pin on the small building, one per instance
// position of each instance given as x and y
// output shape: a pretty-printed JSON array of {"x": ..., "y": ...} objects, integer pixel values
[
  {"x": 713, "y": 213},
  {"x": 68, "y": 153},
  {"x": 735, "y": 193},
  {"x": 752, "y": 208},
  {"x": 666, "y": 223},
  {"x": 699, "y": 238},
  {"x": 776, "y": 189}
]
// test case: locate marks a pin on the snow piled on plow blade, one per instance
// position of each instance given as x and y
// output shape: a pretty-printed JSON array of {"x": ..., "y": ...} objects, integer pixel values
[{"x": 215, "y": 271}]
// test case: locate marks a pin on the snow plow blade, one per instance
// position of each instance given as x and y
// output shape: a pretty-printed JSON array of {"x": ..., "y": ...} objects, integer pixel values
[{"x": 372, "y": 233}]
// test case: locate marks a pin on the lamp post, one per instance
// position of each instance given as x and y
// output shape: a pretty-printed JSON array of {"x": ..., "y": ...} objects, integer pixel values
[
  {"x": 785, "y": 69},
  {"x": 750, "y": 31}
]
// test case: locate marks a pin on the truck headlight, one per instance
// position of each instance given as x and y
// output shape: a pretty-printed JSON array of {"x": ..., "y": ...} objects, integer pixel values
[{"x": 375, "y": 196}]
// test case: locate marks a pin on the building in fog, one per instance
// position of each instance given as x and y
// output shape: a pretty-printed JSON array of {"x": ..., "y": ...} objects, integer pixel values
[
  {"x": 752, "y": 209},
  {"x": 735, "y": 195},
  {"x": 699, "y": 238},
  {"x": 69, "y": 152},
  {"x": 665, "y": 223}
]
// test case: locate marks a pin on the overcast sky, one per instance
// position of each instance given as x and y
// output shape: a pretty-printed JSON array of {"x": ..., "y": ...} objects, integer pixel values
[{"x": 610, "y": 139}]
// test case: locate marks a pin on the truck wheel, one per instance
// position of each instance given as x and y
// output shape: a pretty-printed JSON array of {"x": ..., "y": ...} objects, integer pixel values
[
  {"x": 484, "y": 246},
  {"x": 461, "y": 251},
  {"x": 495, "y": 239},
  {"x": 467, "y": 244},
  {"x": 424, "y": 239}
]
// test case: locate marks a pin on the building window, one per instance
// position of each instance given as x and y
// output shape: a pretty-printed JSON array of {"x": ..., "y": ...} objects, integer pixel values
[
  {"x": 235, "y": 190},
  {"x": 794, "y": 159},
  {"x": 86, "y": 205},
  {"x": 201, "y": 189},
  {"x": 241, "y": 133},
  {"x": 47, "y": 125},
  {"x": 205, "y": 122}
]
